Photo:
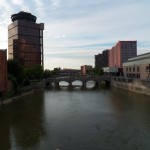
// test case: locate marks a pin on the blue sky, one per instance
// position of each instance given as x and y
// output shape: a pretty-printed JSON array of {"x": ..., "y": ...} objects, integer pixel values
[{"x": 77, "y": 30}]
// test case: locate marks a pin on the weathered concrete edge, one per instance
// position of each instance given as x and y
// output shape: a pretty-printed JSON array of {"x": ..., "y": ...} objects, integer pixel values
[
  {"x": 135, "y": 86},
  {"x": 12, "y": 100}
]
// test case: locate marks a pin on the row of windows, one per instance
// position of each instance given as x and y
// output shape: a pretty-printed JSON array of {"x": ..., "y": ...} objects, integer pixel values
[
  {"x": 25, "y": 40},
  {"x": 129, "y": 69},
  {"x": 129, "y": 46},
  {"x": 136, "y": 69}
]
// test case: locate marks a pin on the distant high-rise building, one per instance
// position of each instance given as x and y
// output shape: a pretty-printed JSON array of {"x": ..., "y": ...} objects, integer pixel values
[
  {"x": 25, "y": 40},
  {"x": 3, "y": 70},
  {"x": 101, "y": 60},
  {"x": 121, "y": 52}
]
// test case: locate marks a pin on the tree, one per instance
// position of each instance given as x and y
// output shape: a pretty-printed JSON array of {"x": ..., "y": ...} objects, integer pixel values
[
  {"x": 47, "y": 74},
  {"x": 16, "y": 70},
  {"x": 34, "y": 73},
  {"x": 38, "y": 72},
  {"x": 98, "y": 71},
  {"x": 15, "y": 84}
]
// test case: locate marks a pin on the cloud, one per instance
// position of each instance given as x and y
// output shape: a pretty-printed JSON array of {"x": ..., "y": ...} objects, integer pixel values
[
  {"x": 59, "y": 36},
  {"x": 55, "y": 3},
  {"x": 77, "y": 29},
  {"x": 21, "y": 4},
  {"x": 102, "y": 26},
  {"x": 5, "y": 5},
  {"x": 18, "y": 2},
  {"x": 94, "y": 26},
  {"x": 40, "y": 8},
  {"x": 6, "y": 9},
  {"x": 62, "y": 62}
]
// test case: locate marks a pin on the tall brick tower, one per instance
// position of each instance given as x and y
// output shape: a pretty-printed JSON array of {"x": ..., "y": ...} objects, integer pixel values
[{"x": 25, "y": 40}]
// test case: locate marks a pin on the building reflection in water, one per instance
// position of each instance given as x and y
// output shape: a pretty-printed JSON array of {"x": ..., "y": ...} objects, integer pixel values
[{"x": 24, "y": 124}]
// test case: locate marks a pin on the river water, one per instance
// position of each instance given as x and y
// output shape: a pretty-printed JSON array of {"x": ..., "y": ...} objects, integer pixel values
[{"x": 76, "y": 119}]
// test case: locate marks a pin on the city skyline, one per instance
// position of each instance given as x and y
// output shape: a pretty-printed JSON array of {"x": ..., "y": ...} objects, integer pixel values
[{"x": 75, "y": 31}]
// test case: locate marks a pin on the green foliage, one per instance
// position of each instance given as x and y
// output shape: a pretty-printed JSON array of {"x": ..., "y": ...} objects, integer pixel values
[
  {"x": 26, "y": 82},
  {"x": 34, "y": 73},
  {"x": 16, "y": 70},
  {"x": 47, "y": 73},
  {"x": 15, "y": 84},
  {"x": 98, "y": 71},
  {"x": 50, "y": 73},
  {"x": 23, "y": 75}
]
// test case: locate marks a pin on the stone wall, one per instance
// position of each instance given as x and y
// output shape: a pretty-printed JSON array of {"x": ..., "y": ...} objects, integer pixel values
[{"x": 134, "y": 85}]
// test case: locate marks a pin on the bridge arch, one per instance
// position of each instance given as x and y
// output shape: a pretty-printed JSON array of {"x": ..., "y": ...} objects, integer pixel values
[
  {"x": 90, "y": 83},
  {"x": 62, "y": 83},
  {"x": 82, "y": 79},
  {"x": 77, "y": 83}
]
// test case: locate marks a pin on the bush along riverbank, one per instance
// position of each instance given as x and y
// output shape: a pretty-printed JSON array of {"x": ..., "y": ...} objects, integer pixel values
[{"x": 17, "y": 92}]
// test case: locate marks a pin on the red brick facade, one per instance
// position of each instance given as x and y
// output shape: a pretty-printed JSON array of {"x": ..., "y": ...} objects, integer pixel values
[
  {"x": 3, "y": 70},
  {"x": 85, "y": 69},
  {"x": 121, "y": 52}
]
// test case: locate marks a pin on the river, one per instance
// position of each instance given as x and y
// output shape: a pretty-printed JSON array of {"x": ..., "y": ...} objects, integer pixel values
[{"x": 76, "y": 119}]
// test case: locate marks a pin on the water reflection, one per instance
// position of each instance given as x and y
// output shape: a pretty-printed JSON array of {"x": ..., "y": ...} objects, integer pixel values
[
  {"x": 63, "y": 84},
  {"x": 90, "y": 84},
  {"x": 5, "y": 123},
  {"x": 70, "y": 119},
  {"x": 24, "y": 123},
  {"x": 77, "y": 83}
]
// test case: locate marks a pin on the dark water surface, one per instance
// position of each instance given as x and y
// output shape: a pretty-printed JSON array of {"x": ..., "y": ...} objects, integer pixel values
[{"x": 102, "y": 119}]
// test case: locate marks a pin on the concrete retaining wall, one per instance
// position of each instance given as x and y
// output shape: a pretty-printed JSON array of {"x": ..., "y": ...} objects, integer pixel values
[{"x": 135, "y": 85}]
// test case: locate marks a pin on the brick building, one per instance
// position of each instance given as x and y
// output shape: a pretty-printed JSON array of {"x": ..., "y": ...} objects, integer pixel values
[
  {"x": 25, "y": 40},
  {"x": 85, "y": 69},
  {"x": 3, "y": 70},
  {"x": 121, "y": 52}
]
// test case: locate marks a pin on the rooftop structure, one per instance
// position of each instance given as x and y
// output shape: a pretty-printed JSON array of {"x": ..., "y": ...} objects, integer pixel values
[{"x": 23, "y": 16}]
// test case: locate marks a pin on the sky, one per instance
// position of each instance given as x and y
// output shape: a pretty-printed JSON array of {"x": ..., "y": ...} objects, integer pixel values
[{"x": 75, "y": 30}]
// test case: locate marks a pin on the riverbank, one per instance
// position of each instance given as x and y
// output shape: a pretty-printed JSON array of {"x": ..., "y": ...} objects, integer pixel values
[
  {"x": 13, "y": 99},
  {"x": 25, "y": 91},
  {"x": 134, "y": 85}
]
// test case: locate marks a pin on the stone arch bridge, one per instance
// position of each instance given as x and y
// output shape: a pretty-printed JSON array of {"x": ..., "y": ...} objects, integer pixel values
[{"x": 84, "y": 79}]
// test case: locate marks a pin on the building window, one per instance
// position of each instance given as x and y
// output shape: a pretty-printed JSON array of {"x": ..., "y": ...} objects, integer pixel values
[
  {"x": 147, "y": 68},
  {"x": 133, "y": 69},
  {"x": 126, "y": 68},
  {"x": 137, "y": 68},
  {"x": 130, "y": 68}
]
